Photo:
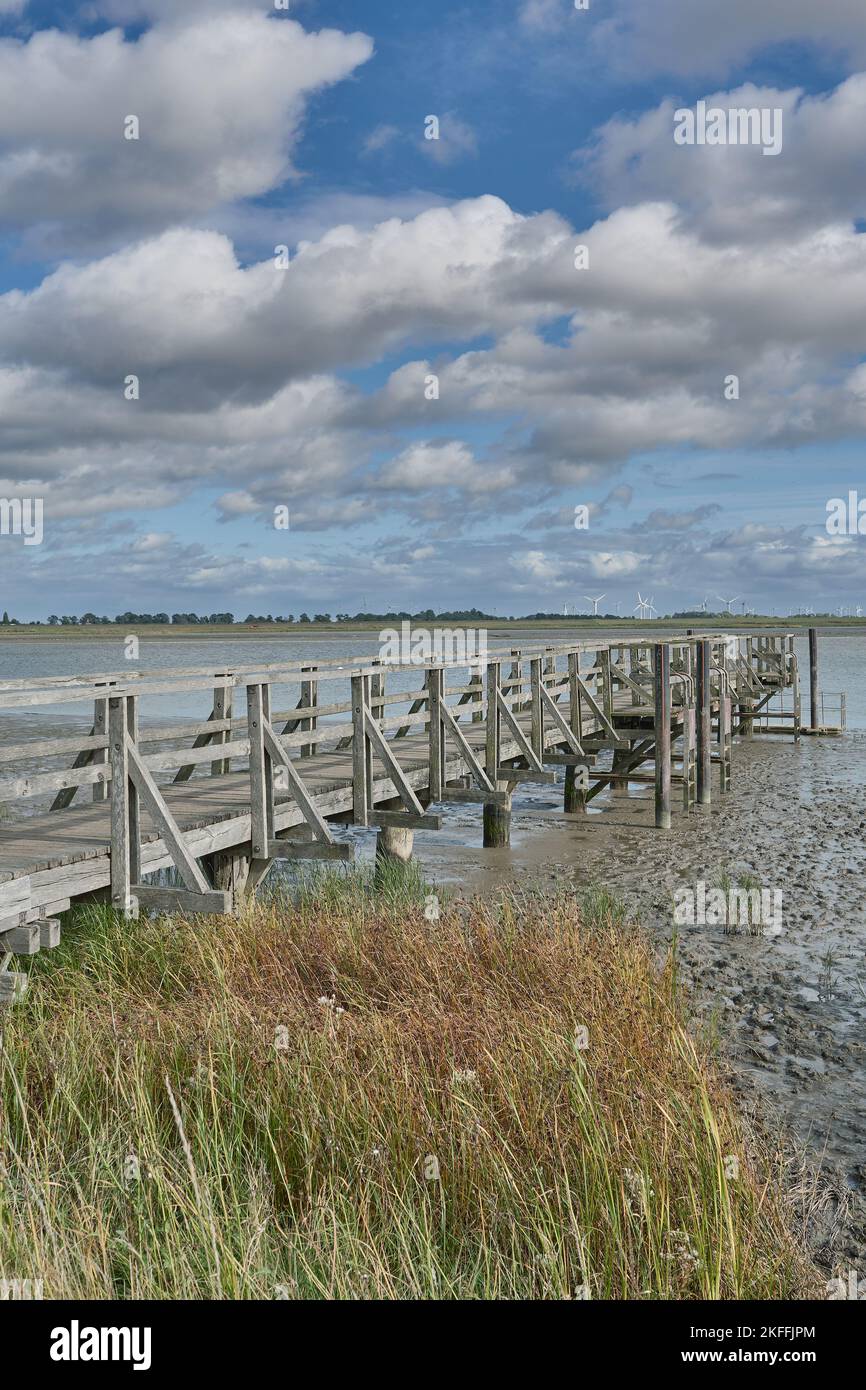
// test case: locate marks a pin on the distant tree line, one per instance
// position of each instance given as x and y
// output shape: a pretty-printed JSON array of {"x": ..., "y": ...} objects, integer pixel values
[{"x": 129, "y": 619}]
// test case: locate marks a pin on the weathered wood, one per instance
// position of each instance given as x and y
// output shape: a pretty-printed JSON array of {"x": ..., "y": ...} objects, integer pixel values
[
  {"x": 437, "y": 734},
  {"x": 704, "y": 722},
  {"x": 49, "y": 933},
  {"x": 497, "y": 824},
  {"x": 310, "y": 849},
  {"x": 405, "y": 820},
  {"x": 662, "y": 713},
  {"x": 524, "y": 774},
  {"x": 13, "y": 986},
  {"x": 258, "y": 792},
  {"x": 474, "y": 795},
  {"x": 814, "y": 713},
  {"x": 118, "y": 747},
  {"x": 551, "y": 717},
  {"x": 171, "y": 833},
  {"x": 361, "y": 771},
  {"x": 394, "y": 843},
  {"x": 182, "y": 900},
  {"x": 21, "y": 941}
]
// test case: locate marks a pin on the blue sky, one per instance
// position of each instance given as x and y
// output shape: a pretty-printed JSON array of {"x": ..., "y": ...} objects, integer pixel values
[{"x": 306, "y": 385}]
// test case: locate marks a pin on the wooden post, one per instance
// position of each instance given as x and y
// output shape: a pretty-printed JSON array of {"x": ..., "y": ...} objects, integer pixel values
[
  {"x": 222, "y": 709},
  {"x": 120, "y": 876},
  {"x": 497, "y": 822},
  {"x": 230, "y": 870},
  {"x": 360, "y": 754},
  {"x": 574, "y": 797},
  {"x": 435, "y": 683},
  {"x": 100, "y": 755},
  {"x": 536, "y": 716},
  {"x": 394, "y": 843},
  {"x": 134, "y": 804},
  {"x": 725, "y": 717},
  {"x": 259, "y": 828},
  {"x": 747, "y": 726},
  {"x": 493, "y": 719},
  {"x": 496, "y": 817},
  {"x": 662, "y": 708},
  {"x": 309, "y": 699},
  {"x": 813, "y": 678},
  {"x": 704, "y": 722}
]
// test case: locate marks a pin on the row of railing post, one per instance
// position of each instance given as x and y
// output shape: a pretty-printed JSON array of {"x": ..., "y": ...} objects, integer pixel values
[{"x": 683, "y": 684}]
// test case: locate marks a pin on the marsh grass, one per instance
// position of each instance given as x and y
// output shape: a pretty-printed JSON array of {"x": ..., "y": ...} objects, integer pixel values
[{"x": 333, "y": 1097}]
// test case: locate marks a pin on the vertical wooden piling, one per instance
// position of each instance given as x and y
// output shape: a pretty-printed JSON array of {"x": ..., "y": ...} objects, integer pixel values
[
  {"x": 704, "y": 722},
  {"x": 497, "y": 822},
  {"x": 662, "y": 707},
  {"x": 813, "y": 678}
]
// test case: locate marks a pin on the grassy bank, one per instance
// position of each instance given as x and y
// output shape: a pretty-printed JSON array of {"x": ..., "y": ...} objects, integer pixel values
[{"x": 341, "y": 1098}]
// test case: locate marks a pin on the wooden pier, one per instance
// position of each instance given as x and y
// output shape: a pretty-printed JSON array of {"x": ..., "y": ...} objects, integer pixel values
[{"x": 220, "y": 797}]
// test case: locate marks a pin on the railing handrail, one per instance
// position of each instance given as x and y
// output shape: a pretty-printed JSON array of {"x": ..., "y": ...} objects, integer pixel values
[{"x": 20, "y": 692}]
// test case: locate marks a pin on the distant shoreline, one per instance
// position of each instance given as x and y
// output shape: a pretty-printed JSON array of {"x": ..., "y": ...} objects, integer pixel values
[{"x": 207, "y": 631}]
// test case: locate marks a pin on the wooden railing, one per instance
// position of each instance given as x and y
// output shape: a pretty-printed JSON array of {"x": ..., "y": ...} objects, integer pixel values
[{"x": 546, "y": 705}]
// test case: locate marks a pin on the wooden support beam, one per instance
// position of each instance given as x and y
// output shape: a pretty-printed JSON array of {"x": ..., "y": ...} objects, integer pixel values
[
  {"x": 404, "y": 820},
  {"x": 524, "y": 774},
  {"x": 171, "y": 834},
  {"x": 478, "y": 772},
  {"x": 310, "y": 849},
  {"x": 21, "y": 941},
  {"x": 315, "y": 820},
  {"x": 49, "y": 933},
  {"x": 398, "y": 777},
  {"x": 475, "y": 795},
  {"x": 206, "y": 902}
]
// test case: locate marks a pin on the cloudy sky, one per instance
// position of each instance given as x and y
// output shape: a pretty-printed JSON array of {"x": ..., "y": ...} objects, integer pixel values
[{"x": 393, "y": 337}]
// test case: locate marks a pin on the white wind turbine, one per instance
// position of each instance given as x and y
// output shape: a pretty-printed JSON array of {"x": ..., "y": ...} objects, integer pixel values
[
  {"x": 644, "y": 604},
  {"x": 595, "y": 602},
  {"x": 728, "y": 602}
]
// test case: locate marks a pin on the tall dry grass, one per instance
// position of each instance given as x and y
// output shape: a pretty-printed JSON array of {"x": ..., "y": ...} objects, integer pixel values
[{"x": 333, "y": 1096}]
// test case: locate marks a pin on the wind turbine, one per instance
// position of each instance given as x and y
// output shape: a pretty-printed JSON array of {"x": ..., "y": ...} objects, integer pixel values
[
  {"x": 644, "y": 604},
  {"x": 595, "y": 602},
  {"x": 727, "y": 602}
]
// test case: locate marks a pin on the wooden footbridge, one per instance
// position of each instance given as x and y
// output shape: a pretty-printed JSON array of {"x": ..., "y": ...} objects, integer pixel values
[{"x": 218, "y": 799}]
